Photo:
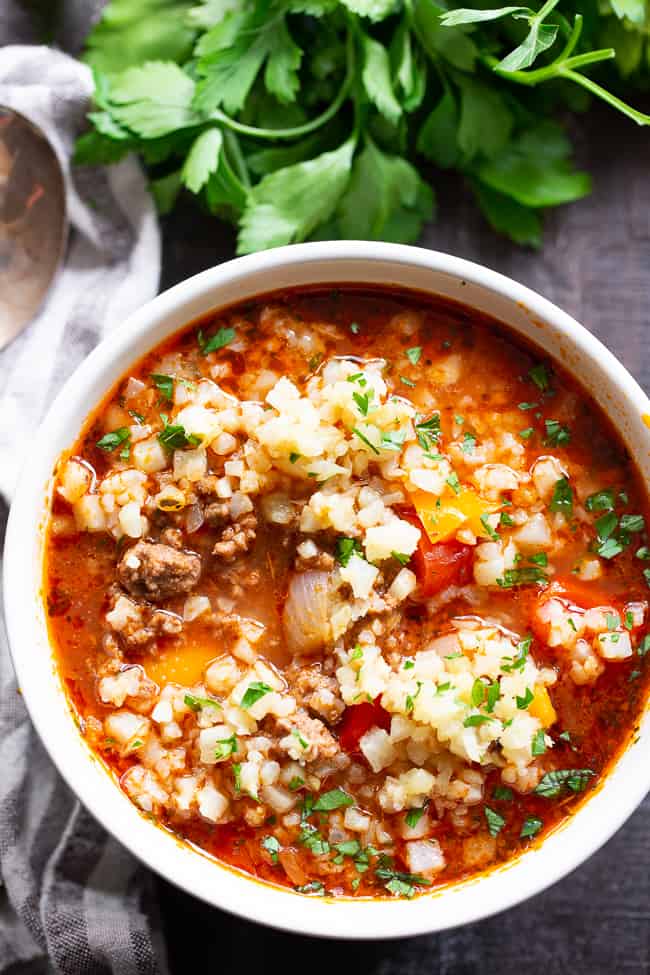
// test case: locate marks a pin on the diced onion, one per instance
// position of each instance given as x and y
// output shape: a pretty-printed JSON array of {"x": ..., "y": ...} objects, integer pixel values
[
  {"x": 193, "y": 518},
  {"x": 306, "y": 615}
]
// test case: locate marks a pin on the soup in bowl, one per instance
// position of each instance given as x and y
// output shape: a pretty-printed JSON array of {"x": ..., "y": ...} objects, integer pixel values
[{"x": 346, "y": 584}]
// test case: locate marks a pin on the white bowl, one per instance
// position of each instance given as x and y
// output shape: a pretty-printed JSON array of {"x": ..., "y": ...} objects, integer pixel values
[{"x": 320, "y": 263}]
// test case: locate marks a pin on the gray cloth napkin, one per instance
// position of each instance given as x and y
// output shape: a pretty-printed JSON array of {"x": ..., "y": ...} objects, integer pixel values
[{"x": 73, "y": 900}]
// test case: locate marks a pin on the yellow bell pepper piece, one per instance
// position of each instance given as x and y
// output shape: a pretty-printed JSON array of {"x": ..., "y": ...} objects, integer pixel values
[
  {"x": 541, "y": 707},
  {"x": 442, "y": 517}
]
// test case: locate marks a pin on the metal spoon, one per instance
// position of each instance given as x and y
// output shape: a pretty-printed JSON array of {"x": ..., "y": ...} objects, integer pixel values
[{"x": 33, "y": 221}]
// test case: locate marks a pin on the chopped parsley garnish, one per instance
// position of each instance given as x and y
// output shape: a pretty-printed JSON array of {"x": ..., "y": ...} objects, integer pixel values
[
  {"x": 401, "y": 557},
  {"x": 539, "y": 558},
  {"x": 393, "y": 440},
  {"x": 165, "y": 384},
  {"x": 610, "y": 548},
  {"x": 562, "y": 499},
  {"x": 138, "y": 417},
  {"x": 646, "y": 576},
  {"x": 644, "y": 646},
  {"x": 511, "y": 664},
  {"x": 492, "y": 696},
  {"x": 495, "y": 822},
  {"x": 217, "y": 341},
  {"x": 539, "y": 375},
  {"x": 575, "y": 779},
  {"x": 530, "y": 827},
  {"x": 398, "y": 883},
  {"x": 428, "y": 433},
  {"x": 173, "y": 437},
  {"x": 346, "y": 548},
  {"x": 334, "y": 799},
  {"x": 502, "y": 794},
  {"x": 409, "y": 664},
  {"x": 254, "y": 692},
  {"x": 313, "y": 840},
  {"x": 538, "y": 744},
  {"x": 315, "y": 886},
  {"x": 522, "y": 577},
  {"x": 505, "y": 519},
  {"x": 293, "y": 457},
  {"x": 612, "y": 620},
  {"x": 225, "y": 747},
  {"x": 299, "y": 738},
  {"x": 556, "y": 434},
  {"x": 606, "y": 525},
  {"x": 198, "y": 703},
  {"x": 485, "y": 521},
  {"x": 523, "y": 702},
  {"x": 632, "y": 523},
  {"x": 407, "y": 382},
  {"x": 355, "y": 328},
  {"x": 236, "y": 774},
  {"x": 474, "y": 720},
  {"x": 600, "y": 501},
  {"x": 478, "y": 692},
  {"x": 364, "y": 439},
  {"x": 272, "y": 845},
  {"x": 643, "y": 553},
  {"x": 453, "y": 482},
  {"x": 296, "y": 783},
  {"x": 413, "y": 354},
  {"x": 469, "y": 443},
  {"x": 528, "y": 406},
  {"x": 357, "y": 653},
  {"x": 351, "y": 848},
  {"x": 413, "y": 817},
  {"x": 363, "y": 401},
  {"x": 111, "y": 441},
  {"x": 527, "y": 433}
]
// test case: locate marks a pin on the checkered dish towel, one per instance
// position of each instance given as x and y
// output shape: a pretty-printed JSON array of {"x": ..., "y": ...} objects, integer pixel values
[{"x": 73, "y": 900}]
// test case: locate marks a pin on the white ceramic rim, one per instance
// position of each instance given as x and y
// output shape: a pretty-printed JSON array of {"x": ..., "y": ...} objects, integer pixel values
[{"x": 460, "y": 903}]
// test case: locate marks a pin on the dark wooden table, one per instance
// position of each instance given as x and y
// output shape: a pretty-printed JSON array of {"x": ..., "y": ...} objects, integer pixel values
[{"x": 596, "y": 264}]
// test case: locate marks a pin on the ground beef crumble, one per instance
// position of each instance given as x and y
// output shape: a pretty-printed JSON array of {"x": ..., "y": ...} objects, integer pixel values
[{"x": 155, "y": 571}]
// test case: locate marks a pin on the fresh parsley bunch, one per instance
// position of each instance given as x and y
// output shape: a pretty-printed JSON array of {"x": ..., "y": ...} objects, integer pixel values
[{"x": 305, "y": 119}]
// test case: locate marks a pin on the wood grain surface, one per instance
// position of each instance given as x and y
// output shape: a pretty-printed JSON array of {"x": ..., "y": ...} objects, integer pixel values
[{"x": 595, "y": 264}]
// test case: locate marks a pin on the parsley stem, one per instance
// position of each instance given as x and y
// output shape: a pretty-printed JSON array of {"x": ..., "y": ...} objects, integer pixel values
[
  {"x": 564, "y": 68},
  {"x": 218, "y": 116},
  {"x": 237, "y": 156},
  {"x": 580, "y": 79},
  {"x": 545, "y": 11},
  {"x": 573, "y": 39}
]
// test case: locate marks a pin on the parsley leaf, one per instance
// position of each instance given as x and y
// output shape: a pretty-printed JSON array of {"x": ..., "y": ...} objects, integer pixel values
[
  {"x": 530, "y": 827},
  {"x": 495, "y": 821},
  {"x": 111, "y": 441},
  {"x": 346, "y": 548},
  {"x": 221, "y": 338},
  {"x": 552, "y": 783},
  {"x": 254, "y": 692},
  {"x": 334, "y": 799},
  {"x": 286, "y": 206},
  {"x": 198, "y": 703},
  {"x": 562, "y": 499},
  {"x": 165, "y": 384},
  {"x": 173, "y": 437}
]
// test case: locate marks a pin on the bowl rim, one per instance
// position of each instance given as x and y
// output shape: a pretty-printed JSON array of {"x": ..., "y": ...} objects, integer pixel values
[{"x": 197, "y": 874}]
